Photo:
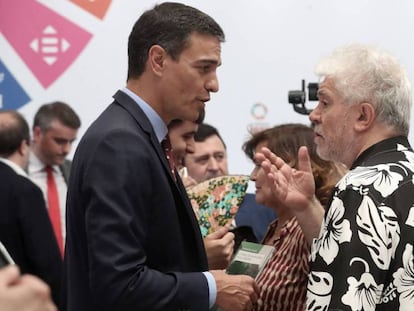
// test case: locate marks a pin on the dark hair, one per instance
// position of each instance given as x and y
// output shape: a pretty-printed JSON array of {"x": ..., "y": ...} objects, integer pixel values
[
  {"x": 56, "y": 110},
  {"x": 176, "y": 122},
  {"x": 13, "y": 131},
  {"x": 285, "y": 141},
  {"x": 205, "y": 131},
  {"x": 169, "y": 25}
]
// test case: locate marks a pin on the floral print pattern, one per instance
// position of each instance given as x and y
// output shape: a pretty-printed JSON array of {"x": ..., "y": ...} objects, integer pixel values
[
  {"x": 336, "y": 230},
  {"x": 217, "y": 200},
  {"x": 404, "y": 279},
  {"x": 364, "y": 259}
]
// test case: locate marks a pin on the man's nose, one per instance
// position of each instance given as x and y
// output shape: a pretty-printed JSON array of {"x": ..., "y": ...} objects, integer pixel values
[
  {"x": 213, "y": 164},
  {"x": 212, "y": 84},
  {"x": 66, "y": 147},
  {"x": 314, "y": 116}
]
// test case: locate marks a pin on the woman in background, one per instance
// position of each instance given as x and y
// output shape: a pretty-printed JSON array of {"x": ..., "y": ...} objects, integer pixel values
[{"x": 283, "y": 281}]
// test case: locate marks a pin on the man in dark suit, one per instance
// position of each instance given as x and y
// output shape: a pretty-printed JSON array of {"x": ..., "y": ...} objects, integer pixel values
[
  {"x": 55, "y": 127},
  {"x": 25, "y": 228},
  {"x": 133, "y": 242}
]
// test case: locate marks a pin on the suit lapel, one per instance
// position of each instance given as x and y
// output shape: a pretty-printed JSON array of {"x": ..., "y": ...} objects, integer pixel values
[
  {"x": 132, "y": 107},
  {"x": 178, "y": 188},
  {"x": 65, "y": 169}
]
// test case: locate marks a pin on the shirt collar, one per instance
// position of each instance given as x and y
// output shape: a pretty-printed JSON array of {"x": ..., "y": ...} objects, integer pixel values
[
  {"x": 381, "y": 147},
  {"x": 160, "y": 128},
  {"x": 35, "y": 165},
  {"x": 14, "y": 167},
  {"x": 288, "y": 227}
]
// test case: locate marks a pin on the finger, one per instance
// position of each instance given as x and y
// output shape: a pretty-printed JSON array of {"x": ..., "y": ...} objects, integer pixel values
[
  {"x": 255, "y": 294},
  {"x": 218, "y": 234},
  {"x": 259, "y": 157},
  {"x": 256, "y": 288},
  {"x": 228, "y": 238},
  {"x": 269, "y": 155},
  {"x": 9, "y": 274},
  {"x": 36, "y": 284},
  {"x": 304, "y": 163}
]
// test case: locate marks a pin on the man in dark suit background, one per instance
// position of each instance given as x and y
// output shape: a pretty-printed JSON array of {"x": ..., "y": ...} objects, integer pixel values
[
  {"x": 55, "y": 128},
  {"x": 133, "y": 242},
  {"x": 25, "y": 228}
]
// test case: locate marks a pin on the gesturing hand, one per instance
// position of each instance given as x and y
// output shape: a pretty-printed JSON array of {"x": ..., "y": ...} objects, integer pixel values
[{"x": 294, "y": 188}]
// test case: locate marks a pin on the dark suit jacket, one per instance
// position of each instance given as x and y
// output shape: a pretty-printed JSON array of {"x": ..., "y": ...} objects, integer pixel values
[
  {"x": 133, "y": 242},
  {"x": 65, "y": 169},
  {"x": 26, "y": 231}
]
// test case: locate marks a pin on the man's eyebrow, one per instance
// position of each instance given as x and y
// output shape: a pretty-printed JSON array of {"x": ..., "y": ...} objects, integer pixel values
[
  {"x": 208, "y": 62},
  {"x": 321, "y": 92},
  {"x": 202, "y": 156}
]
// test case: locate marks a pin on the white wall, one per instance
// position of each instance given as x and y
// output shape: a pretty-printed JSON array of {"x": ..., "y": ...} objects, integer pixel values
[{"x": 271, "y": 45}]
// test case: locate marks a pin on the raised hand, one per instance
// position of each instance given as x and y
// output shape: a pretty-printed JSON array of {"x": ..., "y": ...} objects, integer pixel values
[{"x": 294, "y": 188}]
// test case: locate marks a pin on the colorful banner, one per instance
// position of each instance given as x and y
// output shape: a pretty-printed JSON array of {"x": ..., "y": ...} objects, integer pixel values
[{"x": 47, "y": 42}]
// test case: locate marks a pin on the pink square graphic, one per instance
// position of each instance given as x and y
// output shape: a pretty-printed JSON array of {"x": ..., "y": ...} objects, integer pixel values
[{"x": 47, "y": 42}]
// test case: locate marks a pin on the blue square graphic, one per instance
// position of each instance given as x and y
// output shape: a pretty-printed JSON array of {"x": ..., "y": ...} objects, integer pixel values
[{"x": 12, "y": 95}]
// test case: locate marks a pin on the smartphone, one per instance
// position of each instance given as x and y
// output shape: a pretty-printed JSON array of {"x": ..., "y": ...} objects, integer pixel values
[{"x": 5, "y": 258}]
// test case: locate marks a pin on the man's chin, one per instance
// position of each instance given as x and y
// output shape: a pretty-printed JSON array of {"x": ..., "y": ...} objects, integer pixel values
[
  {"x": 213, "y": 176},
  {"x": 59, "y": 161}
]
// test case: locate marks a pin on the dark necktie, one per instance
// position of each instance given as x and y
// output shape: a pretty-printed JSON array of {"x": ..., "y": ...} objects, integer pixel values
[
  {"x": 53, "y": 207},
  {"x": 166, "y": 146}
]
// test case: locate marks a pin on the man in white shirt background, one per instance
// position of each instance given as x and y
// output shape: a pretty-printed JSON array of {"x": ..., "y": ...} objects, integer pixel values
[{"x": 55, "y": 128}]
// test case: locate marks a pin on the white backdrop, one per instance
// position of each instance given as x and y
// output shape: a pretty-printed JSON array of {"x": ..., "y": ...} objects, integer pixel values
[{"x": 271, "y": 45}]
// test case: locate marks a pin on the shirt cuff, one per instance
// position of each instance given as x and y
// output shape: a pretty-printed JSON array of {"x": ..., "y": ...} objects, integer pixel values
[{"x": 212, "y": 289}]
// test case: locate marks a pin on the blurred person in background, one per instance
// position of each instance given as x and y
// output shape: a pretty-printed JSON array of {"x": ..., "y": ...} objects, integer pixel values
[
  {"x": 25, "y": 228},
  {"x": 209, "y": 160},
  {"x": 55, "y": 128}
]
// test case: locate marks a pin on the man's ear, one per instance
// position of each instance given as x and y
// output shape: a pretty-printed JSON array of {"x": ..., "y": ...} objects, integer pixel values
[
  {"x": 37, "y": 133},
  {"x": 24, "y": 148},
  {"x": 366, "y": 116},
  {"x": 156, "y": 59}
]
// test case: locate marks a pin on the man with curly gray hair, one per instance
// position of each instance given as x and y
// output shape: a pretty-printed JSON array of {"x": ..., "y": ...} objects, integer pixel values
[{"x": 362, "y": 246}]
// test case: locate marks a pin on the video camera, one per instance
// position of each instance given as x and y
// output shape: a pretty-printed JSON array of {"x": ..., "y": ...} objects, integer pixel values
[{"x": 298, "y": 98}]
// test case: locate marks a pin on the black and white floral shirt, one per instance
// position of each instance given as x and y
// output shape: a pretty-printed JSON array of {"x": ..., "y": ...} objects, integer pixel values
[{"x": 363, "y": 258}]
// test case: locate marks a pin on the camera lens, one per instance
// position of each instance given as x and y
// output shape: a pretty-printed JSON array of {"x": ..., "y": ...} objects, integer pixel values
[{"x": 296, "y": 97}]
